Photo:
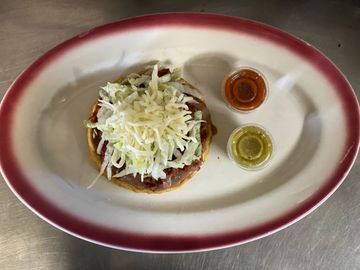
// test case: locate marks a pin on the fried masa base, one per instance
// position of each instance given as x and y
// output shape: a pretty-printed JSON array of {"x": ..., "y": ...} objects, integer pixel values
[{"x": 98, "y": 161}]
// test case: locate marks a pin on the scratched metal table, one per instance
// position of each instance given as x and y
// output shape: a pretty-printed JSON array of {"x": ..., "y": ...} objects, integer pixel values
[{"x": 329, "y": 238}]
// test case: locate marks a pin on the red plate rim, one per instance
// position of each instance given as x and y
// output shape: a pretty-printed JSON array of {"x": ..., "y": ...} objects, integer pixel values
[{"x": 19, "y": 184}]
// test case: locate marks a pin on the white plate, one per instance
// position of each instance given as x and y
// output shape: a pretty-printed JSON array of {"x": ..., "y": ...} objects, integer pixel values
[{"x": 311, "y": 113}]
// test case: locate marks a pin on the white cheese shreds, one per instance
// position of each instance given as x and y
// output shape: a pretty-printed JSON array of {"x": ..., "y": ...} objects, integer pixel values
[{"x": 148, "y": 125}]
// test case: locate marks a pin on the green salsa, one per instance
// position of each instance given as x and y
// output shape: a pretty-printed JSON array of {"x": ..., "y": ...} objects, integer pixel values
[{"x": 250, "y": 146}]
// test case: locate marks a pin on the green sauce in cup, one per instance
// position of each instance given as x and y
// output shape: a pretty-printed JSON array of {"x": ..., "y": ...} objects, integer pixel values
[{"x": 250, "y": 146}]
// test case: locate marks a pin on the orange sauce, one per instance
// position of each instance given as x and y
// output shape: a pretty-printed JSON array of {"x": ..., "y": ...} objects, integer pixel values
[{"x": 245, "y": 90}]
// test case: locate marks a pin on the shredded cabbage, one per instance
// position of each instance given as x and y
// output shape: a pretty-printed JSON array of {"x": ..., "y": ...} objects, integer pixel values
[{"x": 148, "y": 125}]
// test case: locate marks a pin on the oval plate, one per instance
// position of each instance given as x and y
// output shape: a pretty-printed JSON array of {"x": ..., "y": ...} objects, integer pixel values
[{"x": 311, "y": 112}]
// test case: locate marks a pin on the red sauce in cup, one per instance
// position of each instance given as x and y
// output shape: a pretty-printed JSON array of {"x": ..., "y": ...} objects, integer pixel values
[{"x": 245, "y": 90}]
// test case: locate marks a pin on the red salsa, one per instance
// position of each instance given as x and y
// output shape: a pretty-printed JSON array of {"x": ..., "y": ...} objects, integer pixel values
[{"x": 245, "y": 90}]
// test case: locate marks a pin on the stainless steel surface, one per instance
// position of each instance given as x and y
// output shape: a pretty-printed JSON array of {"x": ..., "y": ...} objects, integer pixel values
[{"x": 329, "y": 238}]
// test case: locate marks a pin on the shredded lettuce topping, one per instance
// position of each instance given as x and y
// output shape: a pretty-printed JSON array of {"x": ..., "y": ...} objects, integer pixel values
[{"x": 148, "y": 125}]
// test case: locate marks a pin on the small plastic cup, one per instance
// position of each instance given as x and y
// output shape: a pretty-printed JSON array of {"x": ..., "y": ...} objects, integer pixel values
[
  {"x": 250, "y": 147},
  {"x": 245, "y": 90}
]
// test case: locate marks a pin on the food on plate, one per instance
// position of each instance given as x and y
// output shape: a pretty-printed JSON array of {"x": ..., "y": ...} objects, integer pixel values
[
  {"x": 245, "y": 89},
  {"x": 149, "y": 131},
  {"x": 250, "y": 146}
]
